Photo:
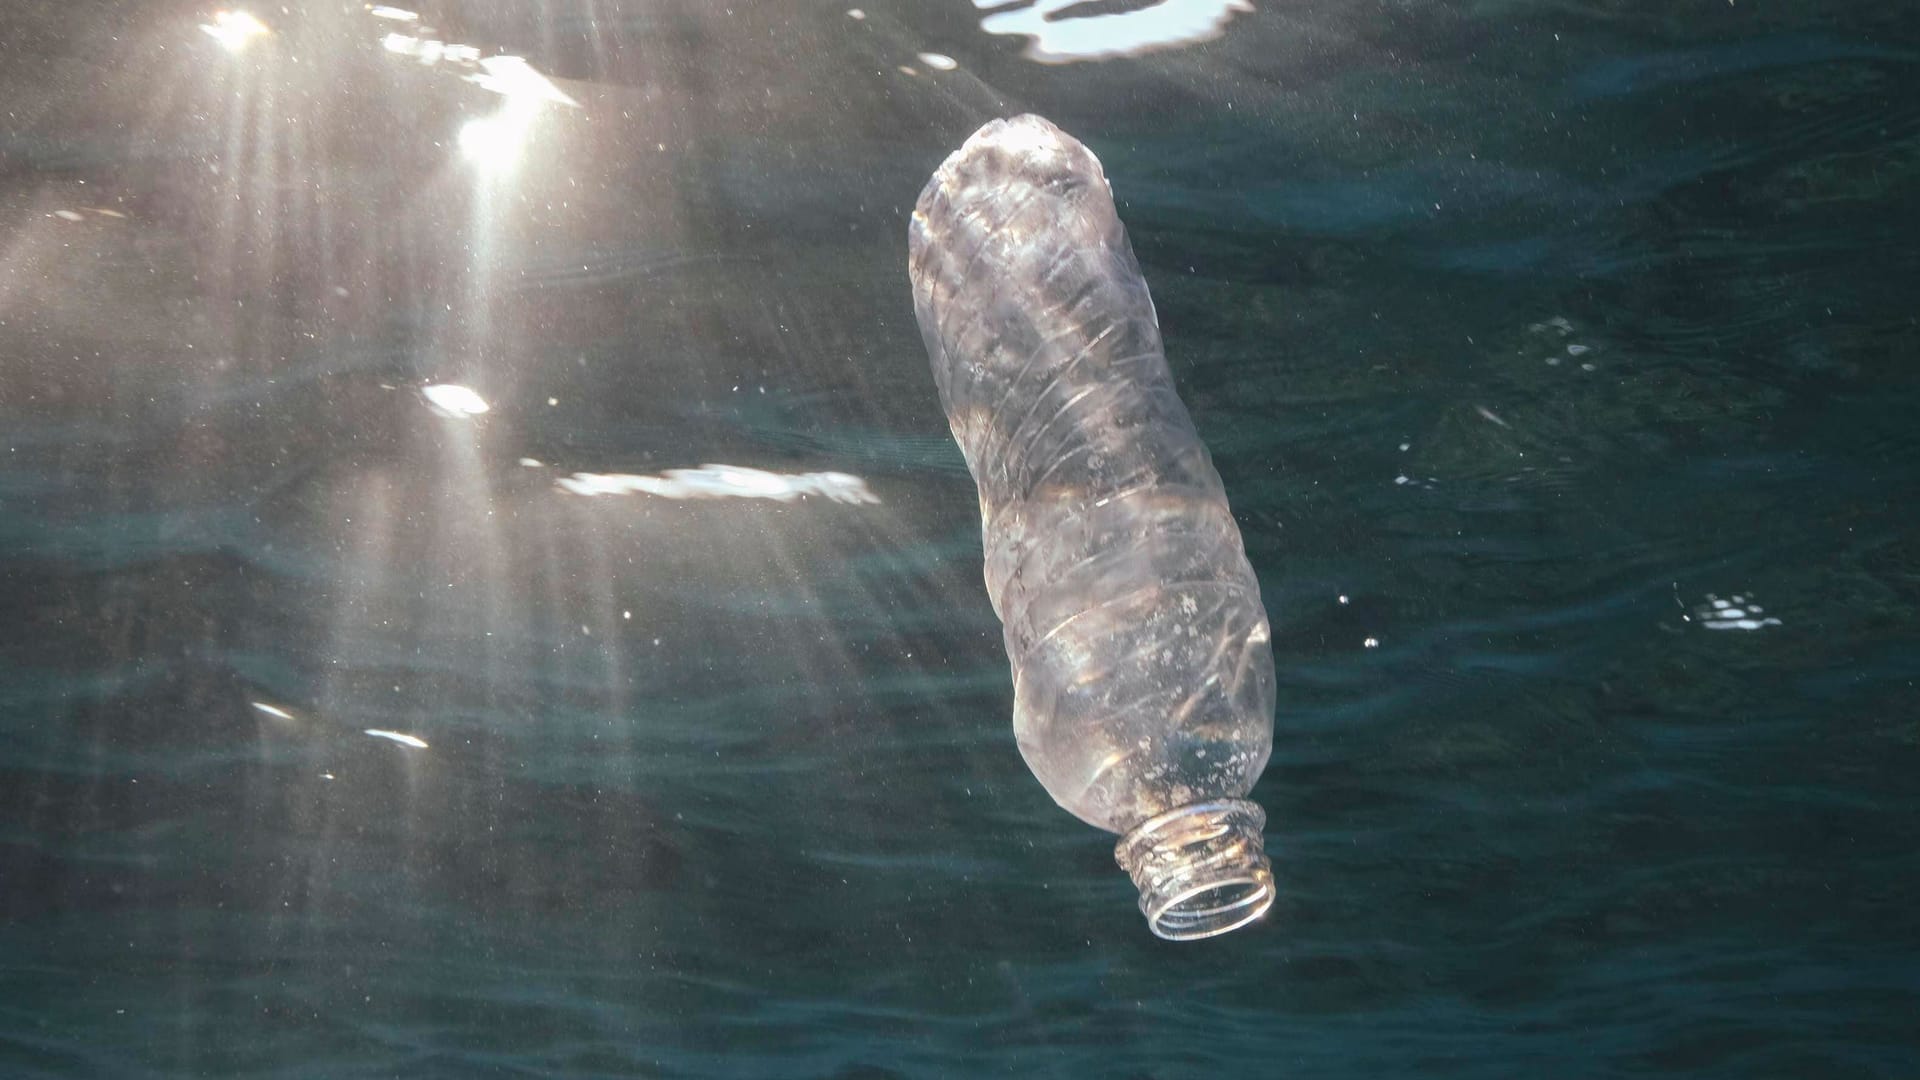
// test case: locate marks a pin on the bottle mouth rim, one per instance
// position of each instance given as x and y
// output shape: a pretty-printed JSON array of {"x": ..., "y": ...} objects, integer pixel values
[
  {"x": 1246, "y": 898},
  {"x": 1202, "y": 869}
]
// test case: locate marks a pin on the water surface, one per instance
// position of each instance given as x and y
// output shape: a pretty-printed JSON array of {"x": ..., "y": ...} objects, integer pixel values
[{"x": 1542, "y": 349}]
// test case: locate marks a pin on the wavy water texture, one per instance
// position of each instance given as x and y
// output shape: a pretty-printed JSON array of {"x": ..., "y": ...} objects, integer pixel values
[{"x": 724, "y": 787}]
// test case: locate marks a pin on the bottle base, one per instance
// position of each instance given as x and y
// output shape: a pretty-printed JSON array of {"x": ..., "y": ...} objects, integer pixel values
[{"x": 1201, "y": 869}]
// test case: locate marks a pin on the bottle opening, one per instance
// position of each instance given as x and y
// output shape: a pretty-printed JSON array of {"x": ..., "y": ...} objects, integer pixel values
[{"x": 1201, "y": 869}]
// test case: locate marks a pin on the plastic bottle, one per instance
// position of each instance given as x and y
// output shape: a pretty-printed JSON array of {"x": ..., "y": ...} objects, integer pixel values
[{"x": 1142, "y": 669}]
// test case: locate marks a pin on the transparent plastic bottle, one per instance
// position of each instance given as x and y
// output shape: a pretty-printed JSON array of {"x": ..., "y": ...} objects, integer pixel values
[{"x": 1142, "y": 668}]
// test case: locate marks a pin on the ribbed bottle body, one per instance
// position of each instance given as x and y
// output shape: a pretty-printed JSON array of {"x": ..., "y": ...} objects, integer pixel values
[{"x": 1143, "y": 675}]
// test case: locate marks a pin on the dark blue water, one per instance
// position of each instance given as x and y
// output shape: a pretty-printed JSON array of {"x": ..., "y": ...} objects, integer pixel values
[{"x": 1523, "y": 336}]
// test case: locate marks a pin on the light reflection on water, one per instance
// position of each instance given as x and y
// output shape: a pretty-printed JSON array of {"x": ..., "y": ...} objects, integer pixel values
[
  {"x": 723, "y": 482},
  {"x": 1066, "y": 31},
  {"x": 718, "y": 779}
]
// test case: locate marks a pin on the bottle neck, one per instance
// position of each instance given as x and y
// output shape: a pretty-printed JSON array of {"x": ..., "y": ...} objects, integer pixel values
[{"x": 1201, "y": 869}]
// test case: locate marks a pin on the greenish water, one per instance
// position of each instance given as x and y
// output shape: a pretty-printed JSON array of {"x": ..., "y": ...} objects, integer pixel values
[{"x": 1521, "y": 335}]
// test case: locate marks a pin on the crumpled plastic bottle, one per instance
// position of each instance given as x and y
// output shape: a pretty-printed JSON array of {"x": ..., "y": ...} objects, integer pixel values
[{"x": 1143, "y": 672}]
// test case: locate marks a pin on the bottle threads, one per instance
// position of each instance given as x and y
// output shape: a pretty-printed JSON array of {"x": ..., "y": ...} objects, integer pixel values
[{"x": 1201, "y": 869}]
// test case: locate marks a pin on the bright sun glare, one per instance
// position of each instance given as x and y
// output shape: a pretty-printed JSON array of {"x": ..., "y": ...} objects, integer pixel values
[
  {"x": 234, "y": 30},
  {"x": 494, "y": 142}
]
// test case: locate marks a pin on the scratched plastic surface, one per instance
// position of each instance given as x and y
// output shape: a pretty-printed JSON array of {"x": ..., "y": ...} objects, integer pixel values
[{"x": 1143, "y": 674}]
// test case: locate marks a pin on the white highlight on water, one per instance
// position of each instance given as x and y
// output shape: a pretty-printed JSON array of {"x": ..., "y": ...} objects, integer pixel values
[
  {"x": 234, "y": 30},
  {"x": 723, "y": 482},
  {"x": 1058, "y": 40},
  {"x": 453, "y": 401},
  {"x": 1738, "y": 612},
  {"x": 400, "y": 737}
]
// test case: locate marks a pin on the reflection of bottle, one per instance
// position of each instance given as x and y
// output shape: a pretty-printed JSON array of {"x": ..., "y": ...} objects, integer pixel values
[{"x": 1143, "y": 677}]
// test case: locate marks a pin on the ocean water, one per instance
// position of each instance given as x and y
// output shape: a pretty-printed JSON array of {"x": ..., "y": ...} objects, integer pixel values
[{"x": 1562, "y": 363}]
